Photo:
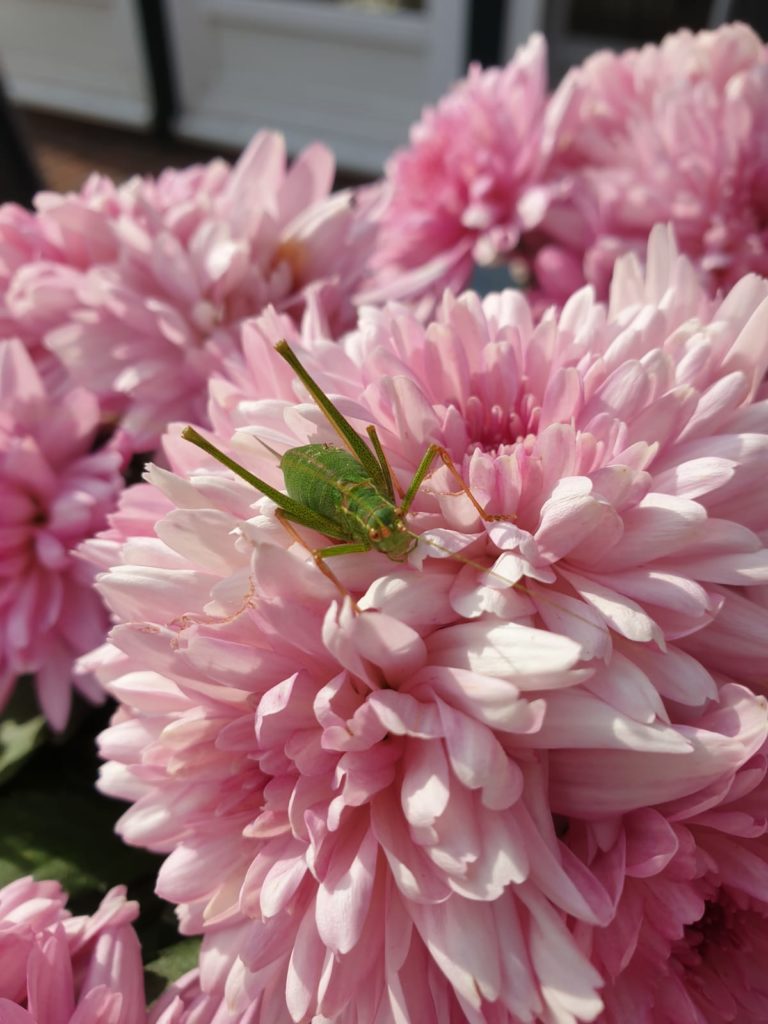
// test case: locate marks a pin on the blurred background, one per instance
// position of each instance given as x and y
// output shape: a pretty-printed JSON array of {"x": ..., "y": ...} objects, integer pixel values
[{"x": 131, "y": 86}]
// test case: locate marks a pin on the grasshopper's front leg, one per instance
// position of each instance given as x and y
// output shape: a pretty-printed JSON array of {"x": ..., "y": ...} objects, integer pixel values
[
  {"x": 418, "y": 477},
  {"x": 320, "y": 554},
  {"x": 434, "y": 451}
]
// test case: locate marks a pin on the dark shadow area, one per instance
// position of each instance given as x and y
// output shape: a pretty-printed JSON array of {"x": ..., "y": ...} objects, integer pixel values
[
  {"x": 19, "y": 179},
  {"x": 67, "y": 151}
]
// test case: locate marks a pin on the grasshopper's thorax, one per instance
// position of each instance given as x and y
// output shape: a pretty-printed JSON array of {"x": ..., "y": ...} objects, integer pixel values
[{"x": 331, "y": 481}]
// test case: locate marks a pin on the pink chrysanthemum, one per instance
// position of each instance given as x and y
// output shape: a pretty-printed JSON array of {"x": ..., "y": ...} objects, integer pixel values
[
  {"x": 59, "y": 968},
  {"x": 44, "y": 253},
  {"x": 465, "y": 189},
  {"x": 184, "y": 1002},
  {"x": 28, "y": 257},
  {"x": 689, "y": 937},
  {"x": 367, "y": 812},
  {"x": 54, "y": 493},
  {"x": 139, "y": 289},
  {"x": 672, "y": 133}
]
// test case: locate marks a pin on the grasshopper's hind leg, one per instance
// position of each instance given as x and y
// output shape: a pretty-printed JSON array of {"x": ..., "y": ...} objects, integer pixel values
[{"x": 320, "y": 554}]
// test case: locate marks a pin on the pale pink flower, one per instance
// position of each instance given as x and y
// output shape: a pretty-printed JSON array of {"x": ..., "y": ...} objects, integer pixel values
[
  {"x": 41, "y": 252},
  {"x": 222, "y": 790},
  {"x": 466, "y": 188},
  {"x": 59, "y": 968},
  {"x": 54, "y": 492},
  {"x": 27, "y": 908},
  {"x": 20, "y": 243},
  {"x": 26, "y": 254},
  {"x": 184, "y": 1002},
  {"x": 44, "y": 253},
  {"x": 689, "y": 937},
  {"x": 185, "y": 258},
  {"x": 672, "y": 133},
  {"x": 358, "y": 805}
]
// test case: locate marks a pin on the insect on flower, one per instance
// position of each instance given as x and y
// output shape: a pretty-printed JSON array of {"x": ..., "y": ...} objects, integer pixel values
[{"x": 348, "y": 494}]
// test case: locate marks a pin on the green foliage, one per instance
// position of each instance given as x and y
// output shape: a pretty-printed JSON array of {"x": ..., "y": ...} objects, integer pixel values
[
  {"x": 56, "y": 825},
  {"x": 68, "y": 836},
  {"x": 22, "y": 730},
  {"x": 172, "y": 962},
  {"x": 54, "y": 822}
]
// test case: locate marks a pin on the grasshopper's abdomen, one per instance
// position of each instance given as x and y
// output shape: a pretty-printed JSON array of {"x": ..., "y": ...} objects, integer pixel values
[
  {"x": 324, "y": 478},
  {"x": 332, "y": 482}
]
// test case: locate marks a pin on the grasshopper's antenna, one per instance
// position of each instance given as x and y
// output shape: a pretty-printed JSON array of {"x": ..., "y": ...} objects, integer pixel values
[
  {"x": 473, "y": 564},
  {"x": 269, "y": 448}
]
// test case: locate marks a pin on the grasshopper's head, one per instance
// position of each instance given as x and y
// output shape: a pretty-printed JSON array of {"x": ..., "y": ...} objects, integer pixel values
[{"x": 388, "y": 533}]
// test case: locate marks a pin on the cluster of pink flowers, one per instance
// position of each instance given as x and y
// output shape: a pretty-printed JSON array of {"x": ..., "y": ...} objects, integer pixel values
[
  {"x": 465, "y": 191},
  {"x": 519, "y": 775},
  {"x": 560, "y": 185},
  {"x": 139, "y": 289},
  {"x": 672, "y": 133}
]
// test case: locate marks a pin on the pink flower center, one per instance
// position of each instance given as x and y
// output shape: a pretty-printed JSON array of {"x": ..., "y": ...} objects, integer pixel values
[
  {"x": 492, "y": 426},
  {"x": 718, "y": 955},
  {"x": 719, "y": 928}
]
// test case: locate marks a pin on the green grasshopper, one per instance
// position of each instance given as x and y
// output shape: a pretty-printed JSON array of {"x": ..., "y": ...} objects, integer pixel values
[{"x": 346, "y": 494}]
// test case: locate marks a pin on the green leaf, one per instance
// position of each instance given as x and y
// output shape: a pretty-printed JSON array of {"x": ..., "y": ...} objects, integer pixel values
[
  {"x": 68, "y": 836},
  {"x": 172, "y": 962},
  {"x": 19, "y": 737}
]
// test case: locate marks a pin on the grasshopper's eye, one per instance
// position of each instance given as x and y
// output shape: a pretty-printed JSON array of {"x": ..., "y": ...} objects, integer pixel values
[{"x": 374, "y": 535}]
